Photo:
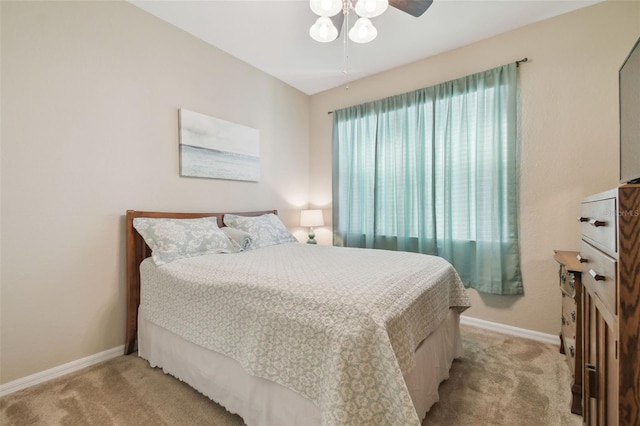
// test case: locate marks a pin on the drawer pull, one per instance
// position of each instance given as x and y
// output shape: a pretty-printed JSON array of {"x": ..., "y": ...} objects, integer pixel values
[
  {"x": 582, "y": 259},
  {"x": 597, "y": 223},
  {"x": 583, "y": 219},
  {"x": 596, "y": 276}
]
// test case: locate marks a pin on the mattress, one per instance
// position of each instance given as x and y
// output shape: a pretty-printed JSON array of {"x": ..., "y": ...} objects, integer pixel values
[{"x": 338, "y": 326}]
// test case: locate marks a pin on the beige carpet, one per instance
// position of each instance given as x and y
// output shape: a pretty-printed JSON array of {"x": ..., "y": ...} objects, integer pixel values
[{"x": 502, "y": 380}]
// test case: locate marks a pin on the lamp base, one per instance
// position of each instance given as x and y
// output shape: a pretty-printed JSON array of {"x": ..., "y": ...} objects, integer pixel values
[{"x": 312, "y": 237}]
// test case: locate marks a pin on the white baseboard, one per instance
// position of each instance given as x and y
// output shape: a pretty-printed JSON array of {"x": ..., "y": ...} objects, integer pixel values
[
  {"x": 552, "y": 339},
  {"x": 60, "y": 370}
]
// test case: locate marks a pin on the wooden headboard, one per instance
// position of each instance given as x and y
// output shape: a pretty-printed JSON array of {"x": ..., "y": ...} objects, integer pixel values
[{"x": 137, "y": 251}]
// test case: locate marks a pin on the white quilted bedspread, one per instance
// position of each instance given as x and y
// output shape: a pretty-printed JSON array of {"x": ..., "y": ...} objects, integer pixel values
[{"x": 337, "y": 325}]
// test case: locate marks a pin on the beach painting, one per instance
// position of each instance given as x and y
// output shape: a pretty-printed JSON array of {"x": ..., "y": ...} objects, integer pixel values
[{"x": 217, "y": 149}]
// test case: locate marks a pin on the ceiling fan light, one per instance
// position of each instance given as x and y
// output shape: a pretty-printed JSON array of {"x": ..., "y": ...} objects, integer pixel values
[
  {"x": 323, "y": 30},
  {"x": 371, "y": 8},
  {"x": 363, "y": 31},
  {"x": 326, "y": 7}
]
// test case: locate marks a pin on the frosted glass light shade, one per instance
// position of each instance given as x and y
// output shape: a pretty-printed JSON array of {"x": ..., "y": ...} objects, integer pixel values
[
  {"x": 323, "y": 30},
  {"x": 371, "y": 8},
  {"x": 363, "y": 31},
  {"x": 325, "y": 7},
  {"x": 311, "y": 218}
]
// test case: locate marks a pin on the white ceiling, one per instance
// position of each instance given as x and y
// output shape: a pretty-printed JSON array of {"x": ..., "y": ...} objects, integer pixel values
[{"x": 273, "y": 35}]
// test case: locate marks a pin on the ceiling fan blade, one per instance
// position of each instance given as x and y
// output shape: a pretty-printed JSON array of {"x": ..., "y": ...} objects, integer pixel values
[
  {"x": 337, "y": 21},
  {"x": 412, "y": 7}
]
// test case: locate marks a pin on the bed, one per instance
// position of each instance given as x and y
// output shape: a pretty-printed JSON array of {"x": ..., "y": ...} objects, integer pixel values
[{"x": 295, "y": 334}]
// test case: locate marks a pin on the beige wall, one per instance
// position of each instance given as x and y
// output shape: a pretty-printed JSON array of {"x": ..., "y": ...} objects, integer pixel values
[
  {"x": 568, "y": 127},
  {"x": 90, "y": 94}
]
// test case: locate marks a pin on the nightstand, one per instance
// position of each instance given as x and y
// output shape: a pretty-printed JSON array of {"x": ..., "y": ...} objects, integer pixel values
[{"x": 570, "y": 274}]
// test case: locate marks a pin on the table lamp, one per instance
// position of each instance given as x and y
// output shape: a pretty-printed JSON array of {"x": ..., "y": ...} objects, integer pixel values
[{"x": 311, "y": 218}]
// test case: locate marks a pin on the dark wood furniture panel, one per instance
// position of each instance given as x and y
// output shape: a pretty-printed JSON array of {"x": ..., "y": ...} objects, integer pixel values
[
  {"x": 629, "y": 303},
  {"x": 600, "y": 382},
  {"x": 610, "y": 253}
]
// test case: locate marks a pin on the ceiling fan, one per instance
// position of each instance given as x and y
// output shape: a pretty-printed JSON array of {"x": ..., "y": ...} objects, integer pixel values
[{"x": 329, "y": 24}]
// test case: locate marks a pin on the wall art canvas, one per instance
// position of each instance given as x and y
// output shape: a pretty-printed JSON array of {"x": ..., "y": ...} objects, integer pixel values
[{"x": 218, "y": 149}]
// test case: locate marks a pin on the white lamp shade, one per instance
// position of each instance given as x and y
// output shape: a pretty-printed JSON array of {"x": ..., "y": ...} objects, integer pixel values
[
  {"x": 363, "y": 31},
  {"x": 326, "y": 7},
  {"x": 323, "y": 30},
  {"x": 371, "y": 8},
  {"x": 311, "y": 218}
]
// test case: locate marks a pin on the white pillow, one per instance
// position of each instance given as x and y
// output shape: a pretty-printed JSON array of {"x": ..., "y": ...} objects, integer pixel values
[
  {"x": 241, "y": 238},
  {"x": 172, "y": 239},
  {"x": 265, "y": 230}
]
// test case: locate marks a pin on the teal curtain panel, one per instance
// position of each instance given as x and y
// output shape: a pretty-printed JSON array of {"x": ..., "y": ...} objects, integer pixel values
[{"x": 435, "y": 171}]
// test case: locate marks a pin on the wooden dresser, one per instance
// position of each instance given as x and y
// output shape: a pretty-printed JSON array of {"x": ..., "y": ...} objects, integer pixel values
[
  {"x": 571, "y": 334},
  {"x": 610, "y": 253}
]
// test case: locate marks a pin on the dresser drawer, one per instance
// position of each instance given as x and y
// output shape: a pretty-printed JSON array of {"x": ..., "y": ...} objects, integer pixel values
[
  {"x": 599, "y": 273},
  {"x": 598, "y": 221}
]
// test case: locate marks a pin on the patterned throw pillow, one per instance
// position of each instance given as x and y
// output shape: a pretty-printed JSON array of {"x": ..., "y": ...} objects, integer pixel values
[
  {"x": 172, "y": 239},
  {"x": 265, "y": 230}
]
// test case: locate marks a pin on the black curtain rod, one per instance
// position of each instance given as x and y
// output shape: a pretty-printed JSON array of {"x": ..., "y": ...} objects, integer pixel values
[{"x": 517, "y": 65}]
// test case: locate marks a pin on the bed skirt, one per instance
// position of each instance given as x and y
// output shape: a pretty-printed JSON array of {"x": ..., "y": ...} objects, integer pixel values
[{"x": 263, "y": 402}]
